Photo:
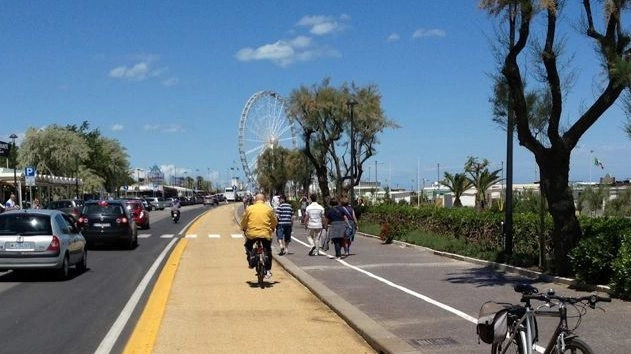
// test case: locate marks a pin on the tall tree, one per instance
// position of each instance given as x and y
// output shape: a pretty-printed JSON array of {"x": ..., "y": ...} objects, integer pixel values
[
  {"x": 300, "y": 169},
  {"x": 322, "y": 113},
  {"x": 458, "y": 184},
  {"x": 53, "y": 150},
  {"x": 553, "y": 153},
  {"x": 116, "y": 173},
  {"x": 271, "y": 169}
]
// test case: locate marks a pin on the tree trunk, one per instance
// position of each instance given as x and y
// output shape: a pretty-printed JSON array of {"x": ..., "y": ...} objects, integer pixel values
[
  {"x": 555, "y": 167},
  {"x": 323, "y": 182}
]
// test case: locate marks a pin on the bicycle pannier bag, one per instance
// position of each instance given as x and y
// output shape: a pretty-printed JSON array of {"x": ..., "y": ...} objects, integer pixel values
[{"x": 493, "y": 322}]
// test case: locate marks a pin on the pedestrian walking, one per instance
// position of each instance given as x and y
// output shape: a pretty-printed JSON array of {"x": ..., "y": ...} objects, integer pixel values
[
  {"x": 304, "y": 202},
  {"x": 335, "y": 225},
  {"x": 285, "y": 215},
  {"x": 314, "y": 219},
  {"x": 352, "y": 226}
]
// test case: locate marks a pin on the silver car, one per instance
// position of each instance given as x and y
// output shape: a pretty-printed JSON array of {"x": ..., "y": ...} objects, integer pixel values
[{"x": 41, "y": 239}]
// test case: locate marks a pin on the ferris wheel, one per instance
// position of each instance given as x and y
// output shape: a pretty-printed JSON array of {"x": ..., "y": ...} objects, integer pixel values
[{"x": 264, "y": 124}]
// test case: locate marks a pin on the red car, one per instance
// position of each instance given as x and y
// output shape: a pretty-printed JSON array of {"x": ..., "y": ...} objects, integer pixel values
[{"x": 139, "y": 213}]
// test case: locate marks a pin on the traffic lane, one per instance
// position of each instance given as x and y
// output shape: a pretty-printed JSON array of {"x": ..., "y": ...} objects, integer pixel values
[
  {"x": 461, "y": 285},
  {"x": 46, "y": 316}
]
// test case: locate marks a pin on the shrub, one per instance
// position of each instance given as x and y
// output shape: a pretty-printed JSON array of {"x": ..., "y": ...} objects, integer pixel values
[
  {"x": 621, "y": 277},
  {"x": 592, "y": 257}
]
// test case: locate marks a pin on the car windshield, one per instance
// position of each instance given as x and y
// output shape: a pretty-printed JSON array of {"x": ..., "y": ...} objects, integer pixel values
[
  {"x": 25, "y": 224},
  {"x": 133, "y": 206},
  {"x": 110, "y": 209}
]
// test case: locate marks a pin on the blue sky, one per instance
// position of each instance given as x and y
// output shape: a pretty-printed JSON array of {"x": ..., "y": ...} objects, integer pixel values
[{"x": 170, "y": 79}]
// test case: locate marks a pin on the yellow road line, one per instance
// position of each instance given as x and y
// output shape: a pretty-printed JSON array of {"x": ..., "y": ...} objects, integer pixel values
[{"x": 145, "y": 333}]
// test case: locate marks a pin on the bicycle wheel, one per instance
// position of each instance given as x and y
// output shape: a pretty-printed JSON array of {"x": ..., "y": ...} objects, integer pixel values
[
  {"x": 260, "y": 270},
  {"x": 509, "y": 346},
  {"x": 575, "y": 346}
]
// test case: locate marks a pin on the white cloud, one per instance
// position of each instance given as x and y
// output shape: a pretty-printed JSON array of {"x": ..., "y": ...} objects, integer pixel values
[
  {"x": 172, "y": 81},
  {"x": 137, "y": 72},
  {"x": 321, "y": 25},
  {"x": 286, "y": 52},
  {"x": 142, "y": 70},
  {"x": 422, "y": 32},
  {"x": 164, "y": 128},
  {"x": 393, "y": 37},
  {"x": 118, "y": 127}
]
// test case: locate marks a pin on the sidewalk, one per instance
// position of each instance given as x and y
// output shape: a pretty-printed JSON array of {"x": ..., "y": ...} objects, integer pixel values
[{"x": 213, "y": 304}]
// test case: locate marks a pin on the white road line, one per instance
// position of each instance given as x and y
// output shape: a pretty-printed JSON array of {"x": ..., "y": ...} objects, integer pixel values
[
  {"x": 191, "y": 236},
  {"x": 166, "y": 236},
  {"x": 144, "y": 235},
  {"x": 404, "y": 289},
  {"x": 214, "y": 236},
  {"x": 112, "y": 335},
  {"x": 236, "y": 235}
]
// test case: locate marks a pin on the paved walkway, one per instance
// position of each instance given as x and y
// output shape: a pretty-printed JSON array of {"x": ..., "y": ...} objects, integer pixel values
[{"x": 207, "y": 301}]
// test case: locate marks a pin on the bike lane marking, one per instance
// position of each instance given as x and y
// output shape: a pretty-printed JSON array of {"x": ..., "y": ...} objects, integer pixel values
[{"x": 401, "y": 288}]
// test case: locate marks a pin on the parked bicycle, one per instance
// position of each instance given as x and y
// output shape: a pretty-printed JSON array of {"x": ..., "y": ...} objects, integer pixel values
[{"x": 513, "y": 328}]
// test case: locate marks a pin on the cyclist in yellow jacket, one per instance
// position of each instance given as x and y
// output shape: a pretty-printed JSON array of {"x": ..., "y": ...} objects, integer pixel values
[{"x": 259, "y": 222}]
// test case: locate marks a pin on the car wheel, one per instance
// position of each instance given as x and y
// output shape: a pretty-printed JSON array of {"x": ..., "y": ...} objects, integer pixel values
[
  {"x": 148, "y": 226},
  {"x": 64, "y": 272},
  {"x": 133, "y": 242},
  {"x": 82, "y": 266}
]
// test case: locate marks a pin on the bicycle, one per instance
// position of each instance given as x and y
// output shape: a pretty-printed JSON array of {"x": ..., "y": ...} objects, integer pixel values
[
  {"x": 261, "y": 258},
  {"x": 521, "y": 331}
]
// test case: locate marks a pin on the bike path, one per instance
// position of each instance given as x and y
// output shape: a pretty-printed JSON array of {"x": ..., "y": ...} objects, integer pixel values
[
  {"x": 206, "y": 300},
  {"x": 431, "y": 300}
]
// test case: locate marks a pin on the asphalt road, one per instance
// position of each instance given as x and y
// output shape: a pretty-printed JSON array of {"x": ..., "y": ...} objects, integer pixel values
[{"x": 39, "y": 315}]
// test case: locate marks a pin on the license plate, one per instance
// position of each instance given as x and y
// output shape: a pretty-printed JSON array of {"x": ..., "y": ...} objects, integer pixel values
[
  {"x": 98, "y": 224},
  {"x": 19, "y": 245}
]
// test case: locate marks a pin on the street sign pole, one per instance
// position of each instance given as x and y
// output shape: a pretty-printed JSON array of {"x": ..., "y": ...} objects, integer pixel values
[{"x": 29, "y": 179}]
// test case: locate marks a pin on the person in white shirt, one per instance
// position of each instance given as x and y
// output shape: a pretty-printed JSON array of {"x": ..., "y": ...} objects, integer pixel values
[
  {"x": 275, "y": 202},
  {"x": 314, "y": 221},
  {"x": 11, "y": 203}
]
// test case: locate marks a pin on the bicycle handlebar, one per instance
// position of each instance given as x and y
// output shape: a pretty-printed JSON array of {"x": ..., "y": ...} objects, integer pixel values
[{"x": 530, "y": 292}]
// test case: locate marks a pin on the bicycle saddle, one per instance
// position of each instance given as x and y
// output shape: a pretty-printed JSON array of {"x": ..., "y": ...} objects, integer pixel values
[{"x": 526, "y": 289}]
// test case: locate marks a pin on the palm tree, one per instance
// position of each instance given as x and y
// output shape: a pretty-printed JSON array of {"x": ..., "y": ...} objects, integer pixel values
[
  {"x": 457, "y": 183},
  {"x": 592, "y": 198},
  {"x": 485, "y": 181},
  {"x": 481, "y": 178}
]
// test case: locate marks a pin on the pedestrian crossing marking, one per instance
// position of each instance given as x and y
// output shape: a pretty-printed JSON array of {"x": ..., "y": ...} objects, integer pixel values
[
  {"x": 144, "y": 235},
  {"x": 214, "y": 236},
  {"x": 191, "y": 236},
  {"x": 166, "y": 236},
  {"x": 236, "y": 235}
]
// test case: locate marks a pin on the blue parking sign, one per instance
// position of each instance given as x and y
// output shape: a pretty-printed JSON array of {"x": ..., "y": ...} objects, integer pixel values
[{"x": 29, "y": 176}]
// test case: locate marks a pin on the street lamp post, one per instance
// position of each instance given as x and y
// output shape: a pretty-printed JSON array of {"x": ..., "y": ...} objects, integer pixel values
[
  {"x": 351, "y": 103},
  {"x": 13, "y": 157}
]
